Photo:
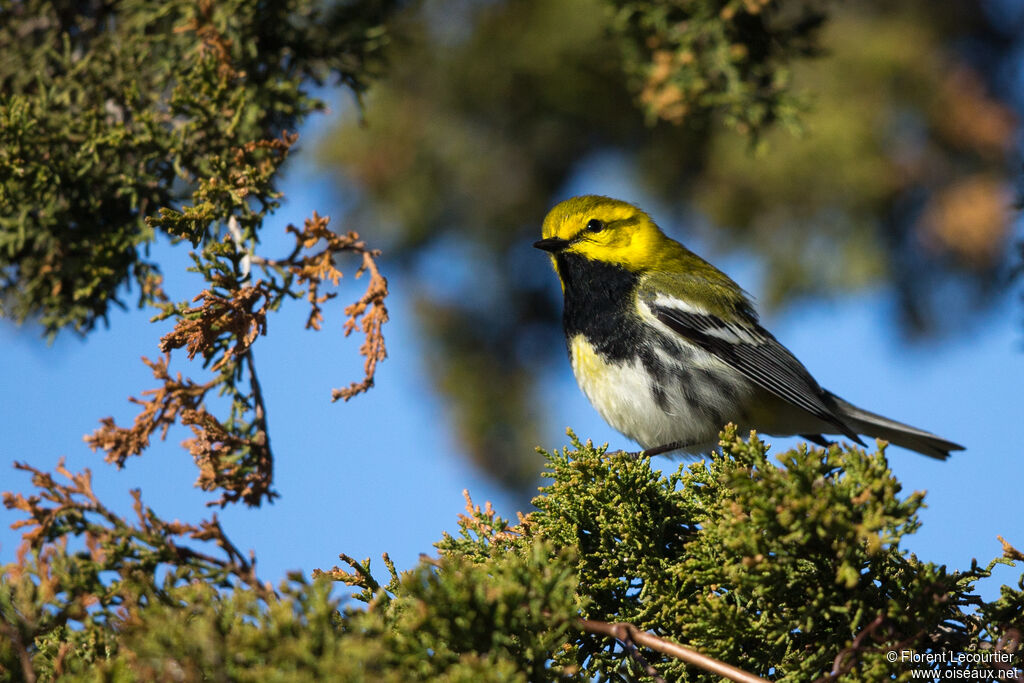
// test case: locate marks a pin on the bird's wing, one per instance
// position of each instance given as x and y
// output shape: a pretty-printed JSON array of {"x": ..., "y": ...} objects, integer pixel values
[{"x": 753, "y": 351}]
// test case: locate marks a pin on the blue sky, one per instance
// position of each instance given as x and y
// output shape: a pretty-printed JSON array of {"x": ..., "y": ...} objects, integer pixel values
[{"x": 383, "y": 473}]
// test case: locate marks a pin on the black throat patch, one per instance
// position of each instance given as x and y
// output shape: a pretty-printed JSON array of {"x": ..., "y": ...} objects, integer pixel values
[{"x": 597, "y": 299}]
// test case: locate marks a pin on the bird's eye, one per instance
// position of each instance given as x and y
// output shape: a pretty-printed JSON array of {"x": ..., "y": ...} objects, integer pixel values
[{"x": 595, "y": 225}]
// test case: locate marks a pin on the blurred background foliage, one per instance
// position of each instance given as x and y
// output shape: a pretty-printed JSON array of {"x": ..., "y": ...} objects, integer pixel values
[{"x": 848, "y": 146}]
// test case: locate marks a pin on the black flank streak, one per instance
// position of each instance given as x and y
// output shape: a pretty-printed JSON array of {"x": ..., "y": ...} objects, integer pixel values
[
  {"x": 728, "y": 390},
  {"x": 660, "y": 397}
]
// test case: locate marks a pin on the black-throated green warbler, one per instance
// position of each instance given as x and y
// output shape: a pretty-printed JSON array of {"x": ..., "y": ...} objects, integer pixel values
[{"x": 669, "y": 349}]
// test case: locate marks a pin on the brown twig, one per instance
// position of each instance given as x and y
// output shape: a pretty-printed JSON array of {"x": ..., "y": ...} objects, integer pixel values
[
  {"x": 630, "y": 636},
  {"x": 359, "y": 576},
  {"x": 265, "y": 461},
  {"x": 847, "y": 657},
  {"x": 11, "y": 633},
  {"x": 1010, "y": 641}
]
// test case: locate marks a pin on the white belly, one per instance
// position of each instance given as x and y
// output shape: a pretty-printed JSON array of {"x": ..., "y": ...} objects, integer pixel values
[{"x": 692, "y": 410}]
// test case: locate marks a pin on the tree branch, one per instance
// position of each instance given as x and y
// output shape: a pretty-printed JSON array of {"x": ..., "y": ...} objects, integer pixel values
[
  {"x": 11, "y": 632},
  {"x": 630, "y": 636}
]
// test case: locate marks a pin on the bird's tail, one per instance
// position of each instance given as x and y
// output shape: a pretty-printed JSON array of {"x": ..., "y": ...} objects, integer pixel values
[{"x": 897, "y": 433}]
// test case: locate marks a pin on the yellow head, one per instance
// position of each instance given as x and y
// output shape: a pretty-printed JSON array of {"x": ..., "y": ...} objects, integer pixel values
[
  {"x": 606, "y": 230},
  {"x": 612, "y": 232}
]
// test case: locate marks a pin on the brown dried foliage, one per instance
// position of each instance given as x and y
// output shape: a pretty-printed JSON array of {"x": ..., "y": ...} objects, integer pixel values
[
  {"x": 114, "y": 543},
  {"x": 165, "y": 406},
  {"x": 199, "y": 328},
  {"x": 264, "y": 164},
  {"x": 221, "y": 327},
  {"x": 372, "y": 347},
  {"x": 1009, "y": 552},
  {"x": 214, "y": 445},
  {"x": 211, "y": 41},
  {"x": 313, "y": 270},
  {"x": 214, "y": 448},
  {"x": 484, "y": 522},
  {"x": 49, "y": 586}
]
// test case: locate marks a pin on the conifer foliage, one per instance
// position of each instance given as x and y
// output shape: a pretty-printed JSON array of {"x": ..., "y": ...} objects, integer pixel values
[{"x": 789, "y": 571}]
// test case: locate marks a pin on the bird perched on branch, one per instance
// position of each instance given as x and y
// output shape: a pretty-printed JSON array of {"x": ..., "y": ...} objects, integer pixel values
[{"x": 669, "y": 349}]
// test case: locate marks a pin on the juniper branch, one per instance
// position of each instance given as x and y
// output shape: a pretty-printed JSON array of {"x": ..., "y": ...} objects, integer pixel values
[{"x": 630, "y": 636}]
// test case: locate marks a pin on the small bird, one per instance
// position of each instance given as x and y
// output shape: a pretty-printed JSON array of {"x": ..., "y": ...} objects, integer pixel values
[{"x": 669, "y": 349}]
